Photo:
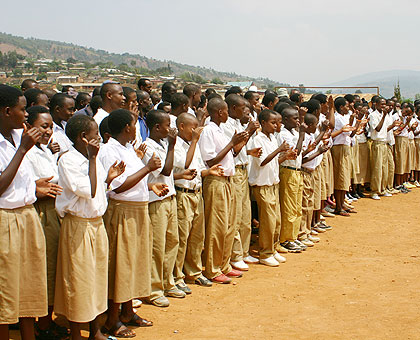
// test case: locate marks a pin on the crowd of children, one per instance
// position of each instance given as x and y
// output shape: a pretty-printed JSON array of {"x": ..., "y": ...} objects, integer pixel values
[{"x": 134, "y": 196}]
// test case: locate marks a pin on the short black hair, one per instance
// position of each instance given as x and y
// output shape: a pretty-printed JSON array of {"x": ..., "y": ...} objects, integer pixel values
[
  {"x": 234, "y": 99},
  {"x": 96, "y": 91},
  {"x": 313, "y": 105},
  {"x": 105, "y": 88},
  {"x": 269, "y": 91},
  {"x": 35, "y": 111},
  {"x": 142, "y": 82},
  {"x": 310, "y": 119},
  {"x": 58, "y": 100},
  {"x": 209, "y": 91},
  {"x": 142, "y": 95},
  {"x": 269, "y": 98},
  {"x": 104, "y": 127},
  {"x": 377, "y": 100},
  {"x": 288, "y": 111},
  {"x": 214, "y": 105},
  {"x": 118, "y": 120},
  {"x": 155, "y": 117},
  {"x": 190, "y": 89},
  {"x": 233, "y": 89},
  {"x": 339, "y": 102},
  {"x": 179, "y": 99},
  {"x": 31, "y": 96},
  {"x": 322, "y": 98},
  {"x": 9, "y": 96},
  {"x": 280, "y": 106},
  {"x": 127, "y": 91},
  {"x": 265, "y": 115},
  {"x": 249, "y": 94},
  {"x": 295, "y": 97},
  {"x": 82, "y": 96},
  {"x": 66, "y": 88},
  {"x": 167, "y": 86},
  {"x": 349, "y": 98},
  {"x": 78, "y": 124},
  {"x": 95, "y": 103},
  {"x": 373, "y": 99},
  {"x": 214, "y": 95},
  {"x": 163, "y": 104},
  {"x": 26, "y": 83}
]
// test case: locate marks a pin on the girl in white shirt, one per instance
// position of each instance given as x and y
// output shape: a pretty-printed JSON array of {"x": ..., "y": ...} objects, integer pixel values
[{"x": 81, "y": 290}]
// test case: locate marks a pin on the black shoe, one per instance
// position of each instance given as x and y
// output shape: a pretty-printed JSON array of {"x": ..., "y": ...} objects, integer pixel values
[
  {"x": 361, "y": 194},
  {"x": 291, "y": 247},
  {"x": 201, "y": 281},
  {"x": 356, "y": 195}
]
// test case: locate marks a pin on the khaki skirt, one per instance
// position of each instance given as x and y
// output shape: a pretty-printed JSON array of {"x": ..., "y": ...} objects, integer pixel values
[
  {"x": 355, "y": 167},
  {"x": 401, "y": 155},
  {"x": 130, "y": 250},
  {"x": 329, "y": 175},
  {"x": 317, "y": 188},
  {"x": 81, "y": 289},
  {"x": 411, "y": 156},
  {"x": 51, "y": 223},
  {"x": 417, "y": 154},
  {"x": 23, "y": 268},
  {"x": 341, "y": 155},
  {"x": 363, "y": 176}
]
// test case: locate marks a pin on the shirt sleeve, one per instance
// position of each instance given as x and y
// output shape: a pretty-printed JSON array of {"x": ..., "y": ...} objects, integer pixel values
[
  {"x": 73, "y": 177},
  {"x": 179, "y": 156},
  {"x": 207, "y": 146},
  {"x": 107, "y": 157},
  {"x": 374, "y": 121},
  {"x": 149, "y": 154}
]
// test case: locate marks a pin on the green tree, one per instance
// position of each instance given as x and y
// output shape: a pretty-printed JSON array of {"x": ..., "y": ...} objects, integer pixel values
[
  {"x": 358, "y": 91},
  {"x": 217, "y": 80},
  {"x": 397, "y": 91}
]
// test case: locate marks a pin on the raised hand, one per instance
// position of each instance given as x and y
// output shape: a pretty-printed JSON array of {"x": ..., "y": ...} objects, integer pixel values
[
  {"x": 189, "y": 174},
  {"x": 257, "y": 152},
  {"x": 348, "y": 128},
  {"x": 115, "y": 170},
  {"x": 29, "y": 138},
  {"x": 284, "y": 147},
  {"x": 239, "y": 137},
  {"x": 159, "y": 189},
  {"x": 311, "y": 147},
  {"x": 154, "y": 163},
  {"x": 302, "y": 112},
  {"x": 325, "y": 125},
  {"x": 53, "y": 146},
  {"x": 172, "y": 136},
  {"x": 330, "y": 102},
  {"x": 141, "y": 150},
  {"x": 196, "y": 133},
  {"x": 216, "y": 170},
  {"x": 291, "y": 154},
  {"x": 44, "y": 188},
  {"x": 252, "y": 127}
]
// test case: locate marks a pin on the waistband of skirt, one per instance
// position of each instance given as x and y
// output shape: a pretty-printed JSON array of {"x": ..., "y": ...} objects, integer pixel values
[
  {"x": 78, "y": 218},
  {"x": 128, "y": 203}
]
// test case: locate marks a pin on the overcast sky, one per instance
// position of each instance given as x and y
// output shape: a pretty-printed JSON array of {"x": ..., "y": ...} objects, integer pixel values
[{"x": 301, "y": 41}]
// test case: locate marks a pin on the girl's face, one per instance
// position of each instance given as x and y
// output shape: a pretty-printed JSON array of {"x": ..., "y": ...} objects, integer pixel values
[
  {"x": 44, "y": 123},
  {"x": 92, "y": 133},
  {"x": 269, "y": 126}
]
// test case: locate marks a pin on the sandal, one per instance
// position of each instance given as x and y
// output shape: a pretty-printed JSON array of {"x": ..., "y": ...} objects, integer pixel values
[
  {"x": 342, "y": 213},
  {"x": 119, "y": 331},
  {"x": 138, "y": 321}
]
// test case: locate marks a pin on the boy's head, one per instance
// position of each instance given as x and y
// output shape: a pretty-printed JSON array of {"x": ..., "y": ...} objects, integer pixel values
[
  {"x": 279, "y": 121},
  {"x": 349, "y": 98},
  {"x": 270, "y": 100},
  {"x": 95, "y": 104},
  {"x": 130, "y": 98},
  {"x": 165, "y": 106},
  {"x": 154, "y": 96},
  {"x": 145, "y": 84},
  {"x": 186, "y": 123},
  {"x": 290, "y": 118},
  {"x": 268, "y": 121},
  {"x": 121, "y": 121},
  {"x": 252, "y": 96},
  {"x": 218, "y": 110},
  {"x": 209, "y": 91},
  {"x": 39, "y": 117},
  {"x": 12, "y": 107},
  {"x": 81, "y": 127},
  {"x": 236, "y": 106},
  {"x": 82, "y": 100},
  {"x": 280, "y": 106},
  {"x": 314, "y": 107},
  {"x": 158, "y": 123},
  {"x": 35, "y": 96},
  {"x": 179, "y": 103},
  {"x": 62, "y": 107},
  {"x": 193, "y": 92},
  {"x": 28, "y": 84},
  {"x": 311, "y": 121},
  {"x": 341, "y": 105},
  {"x": 112, "y": 95},
  {"x": 104, "y": 130},
  {"x": 233, "y": 90},
  {"x": 380, "y": 104},
  {"x": 168, "y": 89}
]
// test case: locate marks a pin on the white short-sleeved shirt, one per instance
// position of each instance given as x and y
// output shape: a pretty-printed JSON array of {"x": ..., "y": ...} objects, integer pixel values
[
  {"x": 374, "y": 119},
  {"x": 418, "y": 127},
  {"x": 312, "y": 164},
  {"x": 59, "y": 136},
  {"x": 344, "y": 137},
  {"x": 173, "y": 119},
  {"x": 100, "y": 115},
  {"x": 197, "y": 163},
  {"x": 269, "y": 173},
  {"x": 404, "y": 132},
  {"x": 161, "y": 150},
  {"x": 73, "y": 176},
  {"x": 114, "y": 151},
  {"x": 191, "y": 111},
  {"x": 43, "y": 162},
  {"x": 212, "y": 141},
  {"x": 21, "y": 191},
  {"x": 229, "y": 129},
  {"x": 291, "y": 138}
]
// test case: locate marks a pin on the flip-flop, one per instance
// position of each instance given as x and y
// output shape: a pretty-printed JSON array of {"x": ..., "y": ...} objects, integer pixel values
[
  {"x": 138, "y": 321},
  {"x": 115, "y": 331},
  {"x": 342, "y": 213}
]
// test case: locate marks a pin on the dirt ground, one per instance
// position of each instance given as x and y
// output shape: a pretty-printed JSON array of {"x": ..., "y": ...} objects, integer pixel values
[{"x": 362, "y": 281}]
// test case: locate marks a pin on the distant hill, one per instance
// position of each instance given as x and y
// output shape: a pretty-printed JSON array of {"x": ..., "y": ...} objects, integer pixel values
[
  {"x": 409, "y": 82},
  {"x": 38, "y": 48}
]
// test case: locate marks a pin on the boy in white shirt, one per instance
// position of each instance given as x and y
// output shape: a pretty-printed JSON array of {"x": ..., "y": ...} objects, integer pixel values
[
  {"x": 219, "y": 199},
  {"x": 24, "y": 286},
  {"x": 263, "y": 178},
  {"x": 189, "y": 169},
  {"x": 62, "y": 108},
  {"x": 162, "y": 210},
  {"x": 81, "y": 290}
]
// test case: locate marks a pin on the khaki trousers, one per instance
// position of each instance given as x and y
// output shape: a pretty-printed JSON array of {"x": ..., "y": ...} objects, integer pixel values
[
  {"x": 220, "y": 215},
  {"x": 243, "y": 215},
  {"x": 278, "y": 216},
  {"x": 364, "y": 164},
  {"x": 379, "y": 165},
  {"x": 267, "y": 200},
  {"x": 307, "y": 205},
  {"x": 390, "y": 167},
  {"x": 163, "y": 220},
  {"x": 188, "y": 262},
  {"x": 291, "y": 187},
  {"x": 318, "y": 188}
]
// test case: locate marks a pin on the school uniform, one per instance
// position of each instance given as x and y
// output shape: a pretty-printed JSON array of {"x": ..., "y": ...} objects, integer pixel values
[
  {"x": 81, "y": 289},
  {"x": 411, "y": 150},
  {"x": 44, "y": 165},
  {"x": 310, "y": 184},
  {"x": 219, "y": 203},
  {"x": 59, "y": 136},
  {"x": 243, "y": 203},
  {"x": 341, "y": 156},
  {"x": 363, "y": 176},
  {"x": 23, "y": 265},
  {"x": 291, "y": 187},
  {"x": 190, "y": 210},
  {"x": 379, "y": 152},
  {"x": 326, "y": 171},
  {"x": 164, "y": 224},
  {"x": 127, "y": 224},
  {"x": 100, "y": 115},
  {"x": 417, "y": 150},
  {"x": 401, "y": 149},
  {"x": 390, "y": 143},
  {"x": 264, "y": 185}
]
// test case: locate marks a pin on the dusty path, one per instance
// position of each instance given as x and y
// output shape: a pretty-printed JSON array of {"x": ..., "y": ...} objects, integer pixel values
[{"x": 362, "y": 281}]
